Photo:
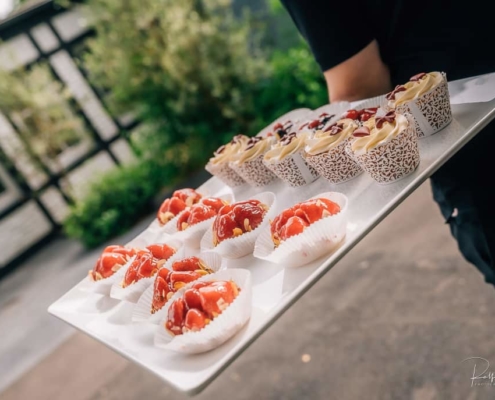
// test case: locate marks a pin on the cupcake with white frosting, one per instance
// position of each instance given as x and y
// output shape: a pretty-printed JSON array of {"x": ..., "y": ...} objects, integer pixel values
[
  {"x": 285, "y": 160},
  {"x": 426, "y": 98},
  {"x": 326, "y": 152},
  {"x": 219, "y": 163},
  {"x": 386, "y": 147},
  {"x": 249, "y": 162}
]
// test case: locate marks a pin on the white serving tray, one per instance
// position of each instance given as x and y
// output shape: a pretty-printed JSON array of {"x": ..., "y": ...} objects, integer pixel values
[{"x": 275, "y": 289}]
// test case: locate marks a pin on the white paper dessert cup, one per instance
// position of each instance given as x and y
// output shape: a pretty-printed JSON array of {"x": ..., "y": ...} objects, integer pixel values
[
  {"x": 142, "y": 310},
  {"x": 225, "y": 173},
  {"x": 431, "y": 111},
  {"x": 104, "y": 286},
  {"x": 191, "y": 236},
  {"x": 220, "y": 329},
  {"x": 392, "y": 160},
  {"x": 242, "y": 245},
  {"x": 320, "y": 238},
  {"x": 335, "y": 165},
  {"x": 132, "y": 292},
  {"x": 254, "y": 172},
  {"x": 293, "y": 169}
]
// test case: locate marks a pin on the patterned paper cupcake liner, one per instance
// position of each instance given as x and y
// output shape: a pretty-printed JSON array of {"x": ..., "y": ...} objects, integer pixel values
[
  {"x": 226, "y": 174},
  {"x": 242, "y": 245},
  {"x": 192, "y": 235},
  {"x": 254, "y": 172},
  {"x": 335, "y": 165},
  {"x": 431, "y": 111},
  {"x": 220, "y": 329},
  {"x": 320, "y": 238},
  {"x": 393, "y": 160},
  {"x": 132, "y": 292},
  {"x": 293, "y": 170},
  {"x": 142, "y": 310}
]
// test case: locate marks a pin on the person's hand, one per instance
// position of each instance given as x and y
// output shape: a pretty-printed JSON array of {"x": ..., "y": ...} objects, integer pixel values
[{"x": 361, "y": 76}]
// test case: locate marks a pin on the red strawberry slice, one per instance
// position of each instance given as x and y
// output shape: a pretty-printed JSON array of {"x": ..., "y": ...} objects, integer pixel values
[
  {"x": 192, "y": 298},
  {"x": 195, "y": 320},
  {"x": 187, "y": 264},
  {"x": 175, "y": 317},
  {"x": 161, "y": 251}
]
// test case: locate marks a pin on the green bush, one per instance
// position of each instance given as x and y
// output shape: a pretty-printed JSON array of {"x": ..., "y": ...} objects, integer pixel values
[
  {"x": 116, "y": 201},
  {"x": 196, "y": 76}
]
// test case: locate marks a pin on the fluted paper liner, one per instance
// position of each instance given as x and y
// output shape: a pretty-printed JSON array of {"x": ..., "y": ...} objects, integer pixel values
[
  {"x": 226, "y": 174},
  {"x": 393, "y": 160},
  {"x": 372, "y": 102},
  {"x": 192, "y": 235},
  {"x": 132, "y": 292},
  {"x": 335, "y": 165},
  {"x": 242, "y": 245},
  {"x": 254, "y": 172},
  {"x": 142, "y": 310},
  {"x": 293, "y": 170},
  {"x": 220, "y": 329},
  {"x": 104, "y": 286},
  {"x": 319, "y": 238},
  {"x": 431, "y": 111}
]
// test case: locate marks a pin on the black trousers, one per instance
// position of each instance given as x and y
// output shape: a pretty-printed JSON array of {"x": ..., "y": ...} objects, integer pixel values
[{"x": 464, "y": 188}]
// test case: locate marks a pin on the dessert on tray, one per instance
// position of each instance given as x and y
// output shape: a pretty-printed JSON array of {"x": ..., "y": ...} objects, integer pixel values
[
  {"x": 426, "y": 98},
  {"x": 296, "y": 219},
  {"x": 236, "y": 219},
  {"x": 386, "y": 147},
  {"x": 207, "y": 208},
  {"x": 199, "y": 305},
  {"x": 285, "y": 160},
  {"x": 206, "y": 313},
  {"x": 178, "y": 202},
  {"x": 326, "y": 151},
  {"x": 305, "y": 231},
  {"x": 147, "y": 262},
  {"x": 111, "y": 260},
  {"x": 249, "y": 162},
  {"x": 219, "y": 163},
  {"x": 167, "y": 282},
  {"x": 361, "y": 115}
]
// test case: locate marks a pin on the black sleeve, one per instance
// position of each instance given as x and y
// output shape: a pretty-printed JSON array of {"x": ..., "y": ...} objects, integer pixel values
[{"x": 335, "y": 30}]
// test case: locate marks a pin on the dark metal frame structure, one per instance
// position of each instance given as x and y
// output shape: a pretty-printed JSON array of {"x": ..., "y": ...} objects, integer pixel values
[{"x": 21, "y": 23}]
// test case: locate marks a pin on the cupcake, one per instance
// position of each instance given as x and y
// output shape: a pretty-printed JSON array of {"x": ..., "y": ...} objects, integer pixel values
[
  {"x": 249, "y": 162},
  {"x": 219, "y": 163},
  {"x": 317, "y": 124},
  {"x": 386, "y": 147},
  {"x": 285, "y": 160},
  {"x": 326, "y": 152},
  {"x": 426, "y": 98}
]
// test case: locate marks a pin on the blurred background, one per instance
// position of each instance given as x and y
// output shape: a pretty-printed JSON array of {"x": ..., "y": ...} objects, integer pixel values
[{"x": 108, "y": 105}]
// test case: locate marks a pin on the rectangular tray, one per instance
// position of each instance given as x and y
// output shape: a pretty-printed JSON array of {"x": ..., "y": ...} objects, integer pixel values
[{"x": 275, "y": 289}]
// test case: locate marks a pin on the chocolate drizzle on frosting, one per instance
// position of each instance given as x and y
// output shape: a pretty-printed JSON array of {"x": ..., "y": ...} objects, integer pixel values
[
  {"x": 252, "y": 142},
  {"x": 220, "y": 150},
  {"x": 288, "y": 138}
]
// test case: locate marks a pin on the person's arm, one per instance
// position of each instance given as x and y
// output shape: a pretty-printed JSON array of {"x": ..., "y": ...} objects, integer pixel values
[{"x": 344, "y": 46}]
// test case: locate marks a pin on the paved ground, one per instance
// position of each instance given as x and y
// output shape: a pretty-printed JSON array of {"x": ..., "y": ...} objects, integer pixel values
[{"x": 393, "y": 320}]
